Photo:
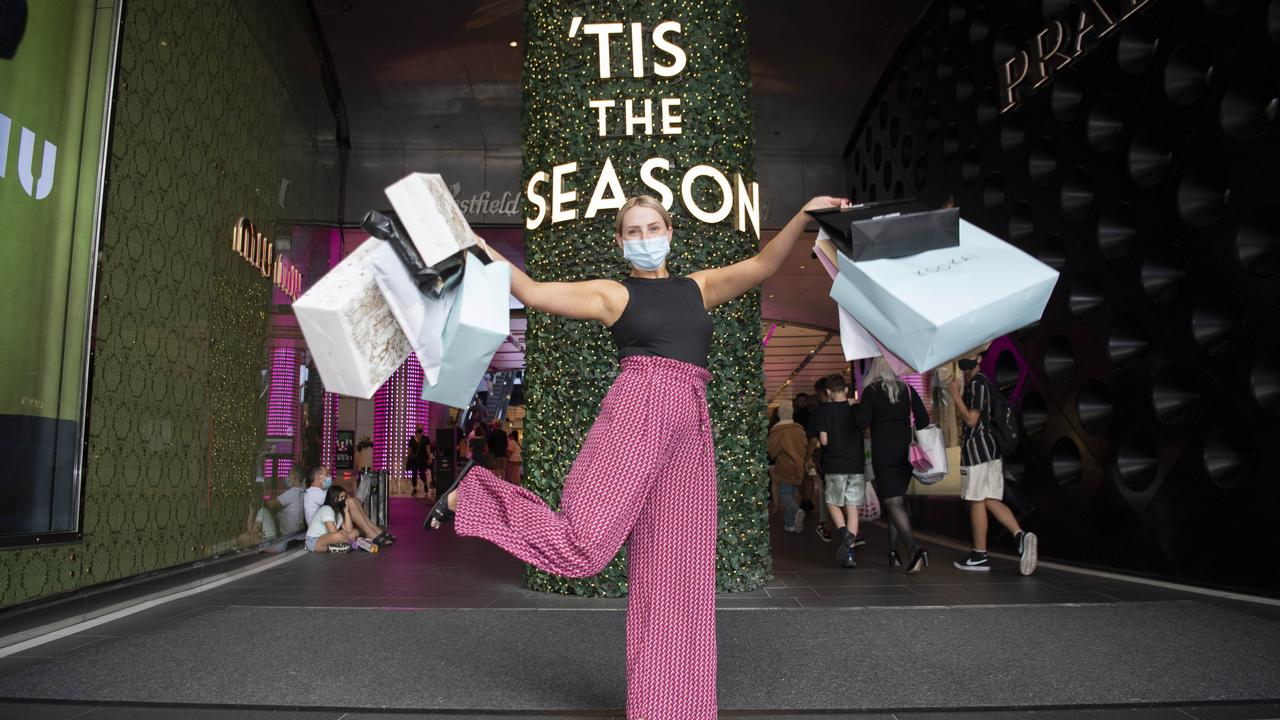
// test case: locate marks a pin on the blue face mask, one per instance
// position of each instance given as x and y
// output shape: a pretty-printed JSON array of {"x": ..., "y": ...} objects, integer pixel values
[
  {"x": 327, "y": 482},
  {"x": 648, "y": 253}
]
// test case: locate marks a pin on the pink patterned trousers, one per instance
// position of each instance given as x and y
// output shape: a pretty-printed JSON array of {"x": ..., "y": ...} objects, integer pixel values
[{"x": 646, "y": 475}]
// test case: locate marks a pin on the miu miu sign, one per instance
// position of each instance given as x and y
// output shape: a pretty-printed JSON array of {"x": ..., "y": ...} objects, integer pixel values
[
  {"x": 1061, "y": 43},
  {"x": 251, "y": 245}
]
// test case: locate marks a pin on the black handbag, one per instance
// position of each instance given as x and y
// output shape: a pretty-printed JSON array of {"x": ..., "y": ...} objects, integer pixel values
[{"x": 898, "y": 228}]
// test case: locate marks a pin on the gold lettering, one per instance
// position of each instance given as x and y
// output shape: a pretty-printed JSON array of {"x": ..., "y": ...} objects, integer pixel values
[
  {"x": 1007, "y": 81},
  {"x": 1042, "y": 64},
  {"x": 1091, "y": 13},
  {"x": 1134, "y": 6}
]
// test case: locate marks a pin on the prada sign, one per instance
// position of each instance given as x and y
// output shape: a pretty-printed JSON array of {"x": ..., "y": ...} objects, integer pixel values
[{"x": 1061, "y": 43}]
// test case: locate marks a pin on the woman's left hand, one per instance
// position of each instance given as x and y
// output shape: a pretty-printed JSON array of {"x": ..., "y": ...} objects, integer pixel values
[{"x": 823, "y": 202}]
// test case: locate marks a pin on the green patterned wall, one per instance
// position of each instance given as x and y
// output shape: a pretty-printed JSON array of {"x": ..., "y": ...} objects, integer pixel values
[{"x": 204, "y": 128}]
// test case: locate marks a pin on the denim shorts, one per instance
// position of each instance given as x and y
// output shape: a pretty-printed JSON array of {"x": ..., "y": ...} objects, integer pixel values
[
  {"x": 311, "y": 543},
  {"x": 846, "y": 489}
]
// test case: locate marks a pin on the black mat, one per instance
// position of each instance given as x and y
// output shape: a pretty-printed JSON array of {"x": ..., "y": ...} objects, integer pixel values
[{"x": 539, "y": 660}]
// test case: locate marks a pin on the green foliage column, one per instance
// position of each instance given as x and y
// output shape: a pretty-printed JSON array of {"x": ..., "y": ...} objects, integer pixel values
[{"x": 570, "y": 364}]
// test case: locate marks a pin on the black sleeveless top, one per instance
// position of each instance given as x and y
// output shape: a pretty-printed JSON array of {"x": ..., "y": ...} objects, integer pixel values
[{"x": 664, "y": 317}]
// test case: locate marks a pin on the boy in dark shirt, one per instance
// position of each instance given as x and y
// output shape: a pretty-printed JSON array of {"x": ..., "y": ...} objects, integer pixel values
[{"x": 842, "y": 467}]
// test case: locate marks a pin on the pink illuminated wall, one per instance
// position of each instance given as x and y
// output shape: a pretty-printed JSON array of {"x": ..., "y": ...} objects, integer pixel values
[
  {"x": 283, "y": 408},
  {"x": 329, "y": 429},
  {"x": 398, "y": 409}
]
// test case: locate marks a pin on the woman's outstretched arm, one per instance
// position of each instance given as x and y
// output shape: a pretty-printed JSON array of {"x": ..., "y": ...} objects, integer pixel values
[
  {"x": 720, "y": 285},
  {"x": 585, "y": 300}
]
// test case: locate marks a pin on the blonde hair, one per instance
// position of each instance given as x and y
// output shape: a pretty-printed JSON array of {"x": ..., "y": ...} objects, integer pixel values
[
  {"x": 785, "y": 410},
  {"x": 644, "y": 201},
  {"x": 880, "y": 372}
]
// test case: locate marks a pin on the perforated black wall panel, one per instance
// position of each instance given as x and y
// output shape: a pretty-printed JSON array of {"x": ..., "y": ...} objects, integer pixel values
[{"x": 1148, "y": 173}]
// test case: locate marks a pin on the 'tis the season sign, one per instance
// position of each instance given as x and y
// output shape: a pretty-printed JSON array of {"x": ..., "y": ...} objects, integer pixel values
[{"x": 657, "y": 51}]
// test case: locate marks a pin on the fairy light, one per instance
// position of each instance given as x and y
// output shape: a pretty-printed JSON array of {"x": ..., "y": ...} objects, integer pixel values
[{"x": 398, "y": 409}]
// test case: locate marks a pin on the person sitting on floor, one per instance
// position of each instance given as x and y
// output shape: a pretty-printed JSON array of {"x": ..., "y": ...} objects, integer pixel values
[
  {"x": 329, "y": 530},
  {"x": 321, "y": 483}
]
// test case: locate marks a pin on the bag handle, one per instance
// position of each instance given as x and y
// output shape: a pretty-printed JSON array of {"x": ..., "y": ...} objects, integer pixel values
[{"x": 911, "y": 412}]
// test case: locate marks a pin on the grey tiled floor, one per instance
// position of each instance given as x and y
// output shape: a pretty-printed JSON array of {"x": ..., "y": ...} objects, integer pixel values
[{"x": 438, "y": 569}]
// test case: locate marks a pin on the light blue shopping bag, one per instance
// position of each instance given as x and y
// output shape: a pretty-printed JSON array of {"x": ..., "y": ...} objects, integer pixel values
[
  {"x": 478, "y": 323},
  {"x": 935, "y": 306}
]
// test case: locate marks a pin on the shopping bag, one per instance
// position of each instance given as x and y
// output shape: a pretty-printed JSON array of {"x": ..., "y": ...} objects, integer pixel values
[
  {"x": 915, "y": 454},
  {"x": 870, "y": 507},
  {"x": 421, "y": 316},
  {"x": 478, "y": 323},
  {"x": 934, "y": 306},
  {"x": 930, "y": 443},
  {"x": 856, "y": 342},
  {"x": 350, "y": 328},
  {"x": 897, "y": 228},
  {"x": 426, "y": 209}
]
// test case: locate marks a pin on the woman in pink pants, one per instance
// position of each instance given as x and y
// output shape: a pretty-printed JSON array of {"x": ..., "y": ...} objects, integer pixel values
[{"x": 646, "y": 474}]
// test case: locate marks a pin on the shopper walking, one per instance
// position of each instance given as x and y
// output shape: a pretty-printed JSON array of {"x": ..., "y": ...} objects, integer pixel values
[
  {"x": 787, "y": 446},
  {"x": 844, "y": 481},
  {"x": 887, "y": 406},
  {"x": 419, "y": 460},
  {"x": 646, "y": 472},
  {"x": 982, "y": 471}
]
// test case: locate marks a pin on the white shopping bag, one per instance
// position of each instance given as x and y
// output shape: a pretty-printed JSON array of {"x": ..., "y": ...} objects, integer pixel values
[
  {"x": 428, "y": 212},
  {"x": 856, "y": 342},
  {"x": 478, "y": 323},
  {"x": 421, "y": 317},
  {"x": 349, "y": 327},
  {"x": 930, "y": 441},
  {"x": 937, "y": 305}
]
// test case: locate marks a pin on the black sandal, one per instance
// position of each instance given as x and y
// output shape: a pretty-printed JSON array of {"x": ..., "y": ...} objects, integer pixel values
[{"x": 440, "y": 512}]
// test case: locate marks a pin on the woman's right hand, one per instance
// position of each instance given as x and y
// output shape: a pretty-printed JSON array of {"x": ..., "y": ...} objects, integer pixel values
[{"x": 823, "y": 202}]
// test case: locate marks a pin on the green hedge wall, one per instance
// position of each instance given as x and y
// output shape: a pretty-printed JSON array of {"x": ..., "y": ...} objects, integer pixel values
[{"x": 570, "y": 364}]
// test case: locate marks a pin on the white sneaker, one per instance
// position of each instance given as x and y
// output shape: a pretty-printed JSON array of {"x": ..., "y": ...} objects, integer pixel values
[
  {"x": 799, "y": 520},
  {"x": 1028, "y": 552}
]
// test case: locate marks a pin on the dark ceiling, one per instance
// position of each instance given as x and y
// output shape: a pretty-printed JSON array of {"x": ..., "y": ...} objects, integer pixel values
[{"x": 435, "y": 86}]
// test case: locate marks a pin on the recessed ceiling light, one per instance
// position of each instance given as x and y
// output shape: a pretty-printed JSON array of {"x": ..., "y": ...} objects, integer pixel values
[{"x": 513, "y": 43}]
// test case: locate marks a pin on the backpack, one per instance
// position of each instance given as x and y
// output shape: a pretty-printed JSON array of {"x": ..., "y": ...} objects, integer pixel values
[{"x": 1004, "y": 426}]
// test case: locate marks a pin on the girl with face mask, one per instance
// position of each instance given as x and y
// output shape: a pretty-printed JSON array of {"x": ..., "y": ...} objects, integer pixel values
[
  {"x": 646, "y": 473},
  {"x": 329, "y": 531}
]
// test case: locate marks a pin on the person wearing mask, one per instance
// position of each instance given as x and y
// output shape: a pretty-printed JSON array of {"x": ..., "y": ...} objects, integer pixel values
[
  {"x": 329, "y": 529},
  {"x": 315, "y": 497},
  {"x": 844, "y": 481},
  {"x": 787, "y": 446},
  {"x": 982, "y": 470},
  {"x": 646, "y": 474},
  {"x": 887, "y": 406}
]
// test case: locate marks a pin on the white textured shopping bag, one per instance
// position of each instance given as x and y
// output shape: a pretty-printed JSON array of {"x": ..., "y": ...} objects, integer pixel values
[
  {"x": 937, "y": 305},
  {"x": 478, "y": 323},
  {"x": 349, "y": 327},
  {"x": 428, "y": 212}
]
